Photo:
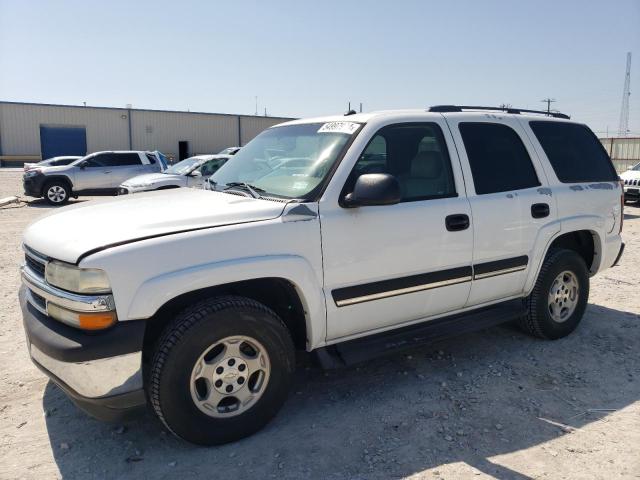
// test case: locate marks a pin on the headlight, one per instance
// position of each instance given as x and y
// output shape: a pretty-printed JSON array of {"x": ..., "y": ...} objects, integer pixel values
[
  {"x": 74, "y": 279},
  {"x": 32, "y": 173}
]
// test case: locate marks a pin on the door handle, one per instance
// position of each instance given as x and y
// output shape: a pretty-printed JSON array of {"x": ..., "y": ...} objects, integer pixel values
[
  {"x": 540, "y": 210},
  {"x": 457, "y": 222},
  {"x": 107, "y": 172}
]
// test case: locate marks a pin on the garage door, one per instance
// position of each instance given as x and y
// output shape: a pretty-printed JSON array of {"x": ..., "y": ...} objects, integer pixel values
[{"x": 57, "y": 141}]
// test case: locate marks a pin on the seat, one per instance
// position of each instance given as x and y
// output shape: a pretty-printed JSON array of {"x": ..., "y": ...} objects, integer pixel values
[{"x": 426, "y": 178}]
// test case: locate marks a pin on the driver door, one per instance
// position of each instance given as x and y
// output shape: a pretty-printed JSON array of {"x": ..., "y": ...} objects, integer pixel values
[{"x": 385, "y": 266}]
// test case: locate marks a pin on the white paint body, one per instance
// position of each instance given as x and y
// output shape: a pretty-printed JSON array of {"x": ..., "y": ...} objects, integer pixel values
[{"x": 238, "y": 238}]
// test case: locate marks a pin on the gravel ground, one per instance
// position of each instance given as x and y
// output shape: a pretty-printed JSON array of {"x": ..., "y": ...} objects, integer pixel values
[{"x": 493, "y": 404}]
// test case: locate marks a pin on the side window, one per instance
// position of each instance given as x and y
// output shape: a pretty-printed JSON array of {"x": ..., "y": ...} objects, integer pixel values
[
  {"x": 125, "y": 159},
  {"x": 574, "y": 152},
  {"x": 499, "y": 160},
  {"x": 416, "y": 154},
  {"x": 100, "y": 160},
  {"x": 151, "y": 158}
]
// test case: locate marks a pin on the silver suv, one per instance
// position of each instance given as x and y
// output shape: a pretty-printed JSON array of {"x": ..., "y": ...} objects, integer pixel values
[{"x": 97, "y": 174}]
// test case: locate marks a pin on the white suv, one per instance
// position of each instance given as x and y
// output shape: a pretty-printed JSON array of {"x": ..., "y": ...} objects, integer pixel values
[{"x": 349, "y": 236}]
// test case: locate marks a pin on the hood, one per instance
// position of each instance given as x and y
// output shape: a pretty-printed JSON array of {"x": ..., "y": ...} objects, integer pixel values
[
  {"x": 152, "y": 178},
  {"x": 630, "y": 175},
  {"x": 71, "y": 231},
  {"x": 53, "y": 169}
]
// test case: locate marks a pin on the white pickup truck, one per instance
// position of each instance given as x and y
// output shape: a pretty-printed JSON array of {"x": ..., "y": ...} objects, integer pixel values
[{"x": 349, "y": 236}]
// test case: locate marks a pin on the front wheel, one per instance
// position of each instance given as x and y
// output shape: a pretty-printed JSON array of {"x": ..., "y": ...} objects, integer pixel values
[
  {"x": 221, "y": 370},
  {"x": 559, "y": 298},
  {"x": 56, "y": 192}
]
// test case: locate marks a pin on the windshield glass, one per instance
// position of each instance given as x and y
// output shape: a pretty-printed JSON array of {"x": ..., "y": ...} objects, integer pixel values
[
  {"x": 183, "y": 167},
  {"x": 288, "y": 161},
  {"x": 636, "y": 168}
]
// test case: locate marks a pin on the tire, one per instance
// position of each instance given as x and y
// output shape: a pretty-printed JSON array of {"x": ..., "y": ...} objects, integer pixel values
[
  {"x": 194, "y": 338},
  {"x": 553, "y": 314},
  {"x": 56, "y": 192}
]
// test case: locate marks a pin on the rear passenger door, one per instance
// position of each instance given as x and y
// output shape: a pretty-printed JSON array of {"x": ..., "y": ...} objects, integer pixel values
[
  {"x": 510, "y": 205},
  {"x": 125, "y": 166}
]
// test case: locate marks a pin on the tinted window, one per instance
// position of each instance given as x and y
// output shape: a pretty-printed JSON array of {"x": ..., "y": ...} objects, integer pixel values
[
  {"x": 125, "y": 159},
  {"x": 499, "y": 160},
  {"x": 151, "y": 158},
  {"x": 210, "y": 167},
  {"x": 416, "y": 154},
  {"x": 574, "y": 152},
  {"x": 102, "y": 160}
]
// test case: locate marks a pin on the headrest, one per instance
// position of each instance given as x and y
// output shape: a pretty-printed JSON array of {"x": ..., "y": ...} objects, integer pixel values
[{"x": 427, "y": 165}]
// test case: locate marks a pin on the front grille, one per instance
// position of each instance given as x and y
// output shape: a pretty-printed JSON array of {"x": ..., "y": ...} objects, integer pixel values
[
  {"x": 34, "y": 265},
  {"x": 38, "y": 300}
]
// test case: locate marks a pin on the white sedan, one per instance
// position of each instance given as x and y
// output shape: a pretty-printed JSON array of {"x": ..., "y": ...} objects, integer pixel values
[{"x": 190, "y": 172}]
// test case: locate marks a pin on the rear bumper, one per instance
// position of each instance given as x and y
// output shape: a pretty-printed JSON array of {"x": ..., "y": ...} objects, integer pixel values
[{"x": 101, "y": 372}]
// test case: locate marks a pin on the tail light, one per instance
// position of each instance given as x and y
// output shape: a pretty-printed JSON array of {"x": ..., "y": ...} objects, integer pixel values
[{"x": 621, "y": 204}]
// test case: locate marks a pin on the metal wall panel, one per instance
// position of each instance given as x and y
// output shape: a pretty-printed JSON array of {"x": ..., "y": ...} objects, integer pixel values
[
  {"x": 252, "y": 126},
  {"x": 163, "y": 130},
  {"x": 108, "y": 128},
  {"x": 20, "y": 126}
]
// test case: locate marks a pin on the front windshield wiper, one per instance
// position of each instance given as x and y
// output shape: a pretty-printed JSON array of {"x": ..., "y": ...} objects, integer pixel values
[{"x": 252, "y": 189}]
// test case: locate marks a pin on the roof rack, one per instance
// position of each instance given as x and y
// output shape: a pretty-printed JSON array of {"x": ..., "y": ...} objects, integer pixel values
[{"x": 460, "y": 108}]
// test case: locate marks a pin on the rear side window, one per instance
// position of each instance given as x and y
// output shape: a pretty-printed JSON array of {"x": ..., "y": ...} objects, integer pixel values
[
  {"x": 575, "y": 153},
  {"x": 125, "y": 159},
  {"x": 499, "y": 160}
]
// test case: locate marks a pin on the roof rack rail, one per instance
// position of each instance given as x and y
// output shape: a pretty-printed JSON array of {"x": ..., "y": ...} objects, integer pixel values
[{"x": 460, "y": 108}]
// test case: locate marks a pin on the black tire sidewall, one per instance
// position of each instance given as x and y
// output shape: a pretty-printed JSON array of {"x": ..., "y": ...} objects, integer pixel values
[
  {"x": 180, "y": 413},
  {"x": 564, "y": 260},
  {"x": 58, "y": 183}
]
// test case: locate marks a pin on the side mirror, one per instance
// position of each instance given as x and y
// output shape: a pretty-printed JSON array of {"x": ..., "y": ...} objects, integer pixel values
[
  {"x": 83, "y": 165},
  {"x": 196, "y": 173},
  {"x": 373, "y": 189}
]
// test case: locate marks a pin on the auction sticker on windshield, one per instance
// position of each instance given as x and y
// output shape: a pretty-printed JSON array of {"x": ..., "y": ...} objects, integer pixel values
[{"x": 339, "y": 127}]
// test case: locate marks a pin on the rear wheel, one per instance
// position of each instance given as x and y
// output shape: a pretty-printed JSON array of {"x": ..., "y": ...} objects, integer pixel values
[
  {"x": 559, "y": 298},
  {"x": 221, "y": 370},
  {"x": 56, "y": 192}
]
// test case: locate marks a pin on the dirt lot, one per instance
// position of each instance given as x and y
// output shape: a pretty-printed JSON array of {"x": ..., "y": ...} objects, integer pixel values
[{"x": 494, "y": 404}]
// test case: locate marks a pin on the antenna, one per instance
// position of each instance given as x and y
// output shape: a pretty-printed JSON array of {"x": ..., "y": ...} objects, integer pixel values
[
  {"x": 548, "y": 101},
  {"x": 623, "y": 129}
]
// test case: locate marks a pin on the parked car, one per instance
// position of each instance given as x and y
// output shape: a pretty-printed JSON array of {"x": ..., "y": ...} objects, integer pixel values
[
  {"x": 631, "y": 181},
  {"x": 97, "y": 174},
  {"x": 51, "y": 162},
  {"x": 402, "y": 227},
  {"x": 229, "y": 151},
  {"x": 190, "y": 172}
]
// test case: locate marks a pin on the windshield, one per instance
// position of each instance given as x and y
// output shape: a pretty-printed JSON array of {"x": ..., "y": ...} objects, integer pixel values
[
  {"x": 183, "y": 167},
  {"x": 636, "y": 168},
  {"x": 288, "y": 161}
]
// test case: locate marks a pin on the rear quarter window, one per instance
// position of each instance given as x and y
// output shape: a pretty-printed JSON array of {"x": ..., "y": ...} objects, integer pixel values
[{"x": 574, "y": 152}]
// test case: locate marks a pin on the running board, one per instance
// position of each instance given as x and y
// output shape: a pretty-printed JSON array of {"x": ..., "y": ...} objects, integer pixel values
[{"x": 362, "y": 349}]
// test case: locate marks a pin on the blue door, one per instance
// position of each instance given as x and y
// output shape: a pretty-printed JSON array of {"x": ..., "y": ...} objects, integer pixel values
[{"x": 57, "y": 141}]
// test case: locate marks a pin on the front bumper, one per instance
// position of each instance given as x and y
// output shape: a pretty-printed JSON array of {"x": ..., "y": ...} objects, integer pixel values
[
  {"x": 33, "y": 185},
  {"x": 631, "y": 193},
  {"x": 100, "y": 371}
]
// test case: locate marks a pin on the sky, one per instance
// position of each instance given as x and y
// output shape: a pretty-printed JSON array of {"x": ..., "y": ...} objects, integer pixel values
[{"x": 303, "y": 58}]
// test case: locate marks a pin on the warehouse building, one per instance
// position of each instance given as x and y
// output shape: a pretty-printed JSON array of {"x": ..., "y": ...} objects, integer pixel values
[
  {"x": 624, "y": 151},
  {"x": 33, "y": 131}
]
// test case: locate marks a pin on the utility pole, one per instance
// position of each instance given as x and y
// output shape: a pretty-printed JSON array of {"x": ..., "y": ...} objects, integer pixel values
[
  {"x": 256, "y": 114},
  {"x": 548, "y": 101},
  {"x": 623, "y": 128},
  {"x": 360, "y": 107}
]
